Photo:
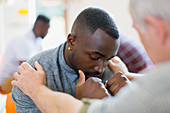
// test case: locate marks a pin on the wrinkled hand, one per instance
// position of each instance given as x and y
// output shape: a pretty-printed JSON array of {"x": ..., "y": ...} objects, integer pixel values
[
  {"x": 29, "y": 79},
  {"x": 117, "y": 65},
  {"x": 116, "y": 82},
  {"x": 91, "y": 88}
]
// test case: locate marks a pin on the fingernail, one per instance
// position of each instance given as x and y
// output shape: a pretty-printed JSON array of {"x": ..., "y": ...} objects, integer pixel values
[{"x": 36, "y": 62}]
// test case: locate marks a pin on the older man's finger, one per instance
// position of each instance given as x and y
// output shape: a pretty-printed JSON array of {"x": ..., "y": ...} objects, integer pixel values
[
  {"x": 25, "y": 65},
  {"x": 16, "y": 75},
  {"x": 38, "y": 66},
  {"x": 20, "y": 69},
  {"x": 14, "y": 83}
]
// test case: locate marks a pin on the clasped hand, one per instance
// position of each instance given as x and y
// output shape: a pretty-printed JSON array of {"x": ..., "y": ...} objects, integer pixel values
[{"x": 94, "y": 88}]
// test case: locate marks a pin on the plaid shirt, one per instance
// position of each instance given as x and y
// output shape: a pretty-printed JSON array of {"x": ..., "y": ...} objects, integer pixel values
[{"x": 133, "y": 54}]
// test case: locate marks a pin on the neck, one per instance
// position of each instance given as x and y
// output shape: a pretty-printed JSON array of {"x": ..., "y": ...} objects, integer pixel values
[{"x": 67, "y": 56}]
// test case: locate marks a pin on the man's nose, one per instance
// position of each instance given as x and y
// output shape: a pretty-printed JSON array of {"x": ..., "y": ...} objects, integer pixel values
[{"x": 100, "y": 67}]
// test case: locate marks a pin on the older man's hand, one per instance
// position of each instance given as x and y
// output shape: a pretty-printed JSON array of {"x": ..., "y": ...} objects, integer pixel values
[
  {"x": 29, "y": 79},
  {"x": 116, "y": 65}
]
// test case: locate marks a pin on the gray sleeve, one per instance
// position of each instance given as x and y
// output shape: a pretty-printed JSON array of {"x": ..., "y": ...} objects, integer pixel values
[
  {"x": 144, "y": 97},
  {"x": 23, "y": 103},
  {"x": 123, "y": 102}
]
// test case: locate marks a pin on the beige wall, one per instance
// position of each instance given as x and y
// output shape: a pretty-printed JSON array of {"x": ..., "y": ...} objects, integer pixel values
[
  {"x": 1, "y": 28},
  {"x": 12, "y": 24},
  {"x": 118, "y": 8}
]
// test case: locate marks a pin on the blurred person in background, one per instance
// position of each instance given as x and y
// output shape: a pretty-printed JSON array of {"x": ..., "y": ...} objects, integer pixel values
[
  {"x": 133, "y": 54},
  {"x": 20, "y": 49}
]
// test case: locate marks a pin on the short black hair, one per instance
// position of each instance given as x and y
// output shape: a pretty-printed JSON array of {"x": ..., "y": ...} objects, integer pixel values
[
  {"x": 95, "y": 18},
  {"x": 43, "y": 18}
]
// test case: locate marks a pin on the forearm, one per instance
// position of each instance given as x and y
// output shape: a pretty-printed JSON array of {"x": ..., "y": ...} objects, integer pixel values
[
  {"x": 132, "y": 76},
  {"x": 49, "y": 101},
  {"x": 6, "y": 87}
]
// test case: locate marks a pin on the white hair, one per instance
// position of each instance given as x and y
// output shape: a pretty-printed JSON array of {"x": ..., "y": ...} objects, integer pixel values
[{"x": 158, "y": 8}]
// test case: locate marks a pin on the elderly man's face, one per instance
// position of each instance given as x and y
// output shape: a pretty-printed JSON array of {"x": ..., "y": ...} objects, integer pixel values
[
  {"x": 91, "y": 53},
  {"x": 150, "y": 39}
]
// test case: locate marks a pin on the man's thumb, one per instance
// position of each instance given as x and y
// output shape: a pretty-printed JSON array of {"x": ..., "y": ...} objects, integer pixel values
[{"x": 81, "y": 78}]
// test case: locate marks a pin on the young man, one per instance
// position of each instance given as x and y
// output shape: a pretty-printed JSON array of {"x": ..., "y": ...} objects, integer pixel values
[
  {"x": 93, "y": 41},
  {"x": 150, "y": 94}
]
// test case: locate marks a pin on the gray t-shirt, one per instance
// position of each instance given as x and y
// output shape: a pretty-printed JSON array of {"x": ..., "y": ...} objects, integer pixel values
[{"x": 59, "y": 76}]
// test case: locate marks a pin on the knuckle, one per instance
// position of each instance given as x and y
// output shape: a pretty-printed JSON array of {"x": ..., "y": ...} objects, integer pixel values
[
  {"x": 103, "y": 90},
  {"x": 109, "y": 83},
  {"x": 30, "y": 69},
  {"x": 15, "y": 74},
  {"x": 89, "y": 79},
  {"x": 19, "y": 67},
  {"x": 97, "y": 84},
  {"x": 95, "y": 79},
  {"x": 119, "y": 73},
  {"x": 123, "y": 78},
  {"x": 23, "y": 64},
  {"x": 42, "y": 72}
]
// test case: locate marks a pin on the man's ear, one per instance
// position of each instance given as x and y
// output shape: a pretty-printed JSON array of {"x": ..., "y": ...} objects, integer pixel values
[
  {"x": 71, "y": 40},
  {"x": 159, "y": 27}
]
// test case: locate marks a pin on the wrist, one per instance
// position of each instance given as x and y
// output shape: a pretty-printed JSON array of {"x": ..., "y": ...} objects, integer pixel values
[
  {"x": 35, "y": 91},
  {"x": 130, "y": 76}
]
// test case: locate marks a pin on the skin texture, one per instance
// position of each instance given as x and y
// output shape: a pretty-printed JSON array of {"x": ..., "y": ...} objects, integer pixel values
[
  {"x": 116, "y": 82},
  {"x": 116, "y": 65},
  {"x": 83, "y": 90},
  {"x": 39, "y": 78}
]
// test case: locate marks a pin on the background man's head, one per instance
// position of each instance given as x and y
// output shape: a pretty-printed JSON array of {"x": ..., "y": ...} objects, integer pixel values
[
  {"x": 94, "y": 39},
  {"x": 41, "y": 26},
  {"x": 151, "y": 19}
]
